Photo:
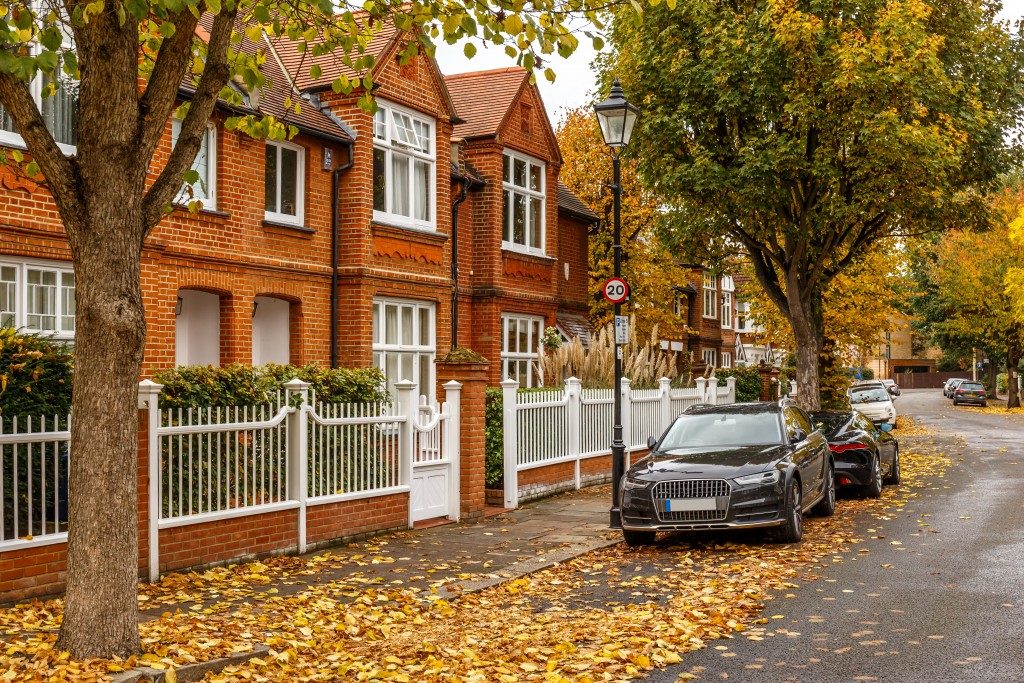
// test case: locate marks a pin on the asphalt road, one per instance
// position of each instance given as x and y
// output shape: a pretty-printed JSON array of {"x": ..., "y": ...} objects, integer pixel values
[{"x": 950, "y": 605}]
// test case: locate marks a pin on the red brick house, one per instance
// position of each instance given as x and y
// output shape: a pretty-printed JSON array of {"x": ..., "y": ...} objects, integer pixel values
[
  {"x": 708, "y": 304},
  {"x": 336, "y": 246}
]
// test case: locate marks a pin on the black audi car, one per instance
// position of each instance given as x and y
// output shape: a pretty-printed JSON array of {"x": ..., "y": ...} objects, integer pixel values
[
  {"x": 737, "y": 466},
  {"x": 866, "y": 455}
]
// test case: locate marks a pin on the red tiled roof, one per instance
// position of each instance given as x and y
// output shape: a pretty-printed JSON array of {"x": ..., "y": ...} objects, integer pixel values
[
  {"x": 483, "y": 98},
  {"x": 573, "y": 205},
  {"x": 298, "y": 63},
  {"x": 271, "y": 101}
]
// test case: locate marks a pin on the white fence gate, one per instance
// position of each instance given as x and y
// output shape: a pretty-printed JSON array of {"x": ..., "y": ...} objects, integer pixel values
[{"x": 435, "y": 464}]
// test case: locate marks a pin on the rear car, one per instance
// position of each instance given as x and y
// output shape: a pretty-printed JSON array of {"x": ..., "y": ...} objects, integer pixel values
[
  {"x": 873, "y": 400},
  {"x": 737, "y": 466},
  {"x": 970, "y": 393},
  {"x": 891, "y": 386},
  {"x": 951, "y": 385},
  {"x": 866, "y": 455}
]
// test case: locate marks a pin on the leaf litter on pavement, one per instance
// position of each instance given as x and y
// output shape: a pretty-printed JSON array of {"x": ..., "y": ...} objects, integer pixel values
[{"x": 609, "y": 615}]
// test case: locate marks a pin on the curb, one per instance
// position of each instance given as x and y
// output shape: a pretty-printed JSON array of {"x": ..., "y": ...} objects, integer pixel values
[{"x": 189, "y": 673}]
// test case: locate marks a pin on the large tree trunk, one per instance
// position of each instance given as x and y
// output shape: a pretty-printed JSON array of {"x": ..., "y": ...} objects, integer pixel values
[
  {"x": 101, "y": 614},
  {"x": 807, "y": 320}
]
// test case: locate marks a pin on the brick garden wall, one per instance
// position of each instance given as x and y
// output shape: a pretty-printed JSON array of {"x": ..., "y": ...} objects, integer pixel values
[{"x": 539, "y": 482}]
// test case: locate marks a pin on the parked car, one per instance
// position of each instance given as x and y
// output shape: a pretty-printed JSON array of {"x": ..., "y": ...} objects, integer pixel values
[
  {"x": 950, "y": 386},
  {"x": 866, "y": 455},
  {"x": 970, "y": 392},
  {"x": 875, "y": 401},
  {"x": 891, "y": 386},
  {"x": 745, "y": 465}
]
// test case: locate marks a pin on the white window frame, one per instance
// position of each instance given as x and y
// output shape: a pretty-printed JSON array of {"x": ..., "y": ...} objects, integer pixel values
[
  {"x": 511, "y": 189},
  {"x": 12, "y": 139},
  {"x": 534, "y": 370},
  {"x": 416, "y": 349},
  {"x": 60, "y": 268},
  {"x": 726, "y": 361},
  {"x": 391, "y": 137},
  {"x": 210, "y": 137},
  {"x": 710, "y": 357},
  {"x": 300, "y": 185},
  {"x": 710, "y": 298},
  {"x": 726, "y": 310}
]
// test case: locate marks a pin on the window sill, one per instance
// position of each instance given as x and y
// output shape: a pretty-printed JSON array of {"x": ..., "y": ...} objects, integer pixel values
[
  {"x": 406, "y": 232},
  {"x": 529, "y": 255},
  {"x": 400, "y": 224},
  {"x": 209, "y": 213},
  {"x": 709, "y": 317},
  {"x": 287, "y": 228}
]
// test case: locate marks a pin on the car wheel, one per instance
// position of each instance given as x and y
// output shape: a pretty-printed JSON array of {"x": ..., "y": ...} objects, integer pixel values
[
  {"x": 984, "y": 404},
  {"x": 894, "y": 473},
  {"x": 956, "y": 402},
  {"x": 793, "y": 530},
  {"x": 826, "y": 507},
  {"x": 636, "y": 539},
  {"x": 873, "y": 489}
]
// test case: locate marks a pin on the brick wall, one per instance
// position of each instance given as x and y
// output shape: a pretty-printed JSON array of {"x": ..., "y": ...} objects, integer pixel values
[{"x": 327, "y": 523}]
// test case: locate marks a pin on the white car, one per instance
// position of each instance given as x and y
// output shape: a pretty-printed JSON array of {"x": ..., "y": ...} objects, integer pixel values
[{"x": 874, "y": 401}]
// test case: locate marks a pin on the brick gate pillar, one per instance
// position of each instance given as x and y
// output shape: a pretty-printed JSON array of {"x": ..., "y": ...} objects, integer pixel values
[
  {"x": 768, "y": 388},
  {"x": 469, "y": 368}
]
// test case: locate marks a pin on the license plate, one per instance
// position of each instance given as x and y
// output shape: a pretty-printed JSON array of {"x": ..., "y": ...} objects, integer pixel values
[
  {"x": 971, "y": 393},
  {"x": 690, "y": 504}
]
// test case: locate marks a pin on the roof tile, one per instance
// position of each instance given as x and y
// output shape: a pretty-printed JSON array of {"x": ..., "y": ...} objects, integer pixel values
[{"x": 483, "y": 98}]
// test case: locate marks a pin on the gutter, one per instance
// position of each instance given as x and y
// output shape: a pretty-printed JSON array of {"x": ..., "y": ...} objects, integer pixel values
[
  {"x": 335, "y": 227},
  {"x": 464, "y": 183}
]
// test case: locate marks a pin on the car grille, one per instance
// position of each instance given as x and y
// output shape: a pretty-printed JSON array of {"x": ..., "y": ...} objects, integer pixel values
[{"x": 690, "y": 488}]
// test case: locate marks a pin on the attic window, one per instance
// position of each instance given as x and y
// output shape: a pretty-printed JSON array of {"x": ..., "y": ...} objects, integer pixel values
[{"x": 526, "y": 117}]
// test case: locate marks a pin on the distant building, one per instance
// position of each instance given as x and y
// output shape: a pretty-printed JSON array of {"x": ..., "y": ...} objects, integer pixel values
[{"x": 901, "y": 350}]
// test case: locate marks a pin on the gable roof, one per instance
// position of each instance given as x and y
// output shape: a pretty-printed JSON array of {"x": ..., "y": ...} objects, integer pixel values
[
  {"x": 569, "y": 203},
  {"x": 385, "y": 42},
  {"x": 484, "y": 98},
  {"x": 309, "y": 119}
]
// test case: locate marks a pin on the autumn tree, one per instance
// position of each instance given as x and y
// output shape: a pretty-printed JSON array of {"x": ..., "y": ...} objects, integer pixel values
[
  {"x": 975, "y": 273},
  {"x": 649, "y": 266},
  {"x": 806, "y": 132},
  {"x": 127, "y": 61},
  {"x": 860, "y": 305}
]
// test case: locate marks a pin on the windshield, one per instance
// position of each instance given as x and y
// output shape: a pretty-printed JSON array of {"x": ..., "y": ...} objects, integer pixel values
[
  {"x": 716, "y": 430},
  {"x": 830, "y": 423},
  {"x": 868, "y": 395}
]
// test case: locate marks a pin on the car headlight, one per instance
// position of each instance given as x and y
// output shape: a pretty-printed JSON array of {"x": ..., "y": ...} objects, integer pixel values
[
  {"x": 633, "y": 484},
  {"x": 762, "y": 478}
]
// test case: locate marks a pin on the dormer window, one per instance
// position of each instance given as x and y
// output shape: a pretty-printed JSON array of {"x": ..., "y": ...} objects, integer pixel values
[
  {"x": 522, "y": 183},
  {"x": 403, "y": 168}
]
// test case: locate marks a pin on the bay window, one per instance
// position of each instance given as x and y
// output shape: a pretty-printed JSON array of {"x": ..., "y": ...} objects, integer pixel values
[
  {"x": 523, "y": 199},
  {"x": 403, "y": 167},
  {"x": 38, "y": 296},
  {"x": 205, "y": 165},
  {"x": 710, "y": 297},
  {"x": 520, "y": 349},
  {"x": 284, "y": 183},
  {"x": 727, "y": 290},
  {"x": 56, "y": 96},
  {"x": 404, "y": 342}
]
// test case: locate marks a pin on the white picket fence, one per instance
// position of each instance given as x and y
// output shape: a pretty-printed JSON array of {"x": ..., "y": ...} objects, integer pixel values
[
  {"x": 572, "y": 424},
  {"x": 209, "y": 464}
]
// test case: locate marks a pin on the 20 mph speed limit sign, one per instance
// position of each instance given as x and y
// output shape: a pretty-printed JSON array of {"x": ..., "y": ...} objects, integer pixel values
[{"x": 616, "y": 290}]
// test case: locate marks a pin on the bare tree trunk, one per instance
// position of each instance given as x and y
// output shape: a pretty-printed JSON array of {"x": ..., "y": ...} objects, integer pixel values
[
  {"x": 808, "y": 323},
  {"x": 101, "y": 613},
  {"x": 1012, "y": 360}
]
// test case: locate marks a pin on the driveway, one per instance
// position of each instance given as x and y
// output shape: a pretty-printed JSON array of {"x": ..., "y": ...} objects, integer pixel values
[{"x": 937, "y": 596}]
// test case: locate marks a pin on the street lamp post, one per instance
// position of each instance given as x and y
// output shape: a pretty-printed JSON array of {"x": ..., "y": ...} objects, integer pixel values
[{"x": 617, "y": 118}]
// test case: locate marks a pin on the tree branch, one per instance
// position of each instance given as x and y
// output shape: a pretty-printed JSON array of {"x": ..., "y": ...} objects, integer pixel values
[
  {"x": 61, "y": 172},
  {"x": 193, "y": 127},
  {"x": 172, "y": 61}
]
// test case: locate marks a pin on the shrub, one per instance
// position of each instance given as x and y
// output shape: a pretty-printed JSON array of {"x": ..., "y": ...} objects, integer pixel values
[
  {"x": 35, "y": 374},
  {"x": 494, "y": 439},
  {"x": 240, "y": 385},
  {"x": 748, "y": 382}
]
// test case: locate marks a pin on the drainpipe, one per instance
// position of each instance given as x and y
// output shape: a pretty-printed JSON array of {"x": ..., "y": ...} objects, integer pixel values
[
  {"x": 464, "y": 184},
  {"x": 335, "y": 227}
]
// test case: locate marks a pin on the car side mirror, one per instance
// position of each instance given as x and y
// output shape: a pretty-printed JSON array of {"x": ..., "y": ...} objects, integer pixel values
[
  {"x": 885, "y": 427},
  {"x": 652, "y": 441},
  {"x": 799, "y": 435}
]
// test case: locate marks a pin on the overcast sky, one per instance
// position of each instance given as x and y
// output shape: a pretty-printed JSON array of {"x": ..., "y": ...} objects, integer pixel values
[{"x": 575, "y": 82}]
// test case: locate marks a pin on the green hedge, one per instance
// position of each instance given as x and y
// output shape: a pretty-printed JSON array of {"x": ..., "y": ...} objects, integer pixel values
[
  {"x": 240, "y": 385},
  {"x": 35, "y": 374},
  {"x": 494, "y": 439},
  {"x": 748, "y": 382}
]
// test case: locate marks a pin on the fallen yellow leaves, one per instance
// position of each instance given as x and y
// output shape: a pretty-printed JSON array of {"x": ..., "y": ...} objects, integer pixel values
[{"x": 610, "y": 615}]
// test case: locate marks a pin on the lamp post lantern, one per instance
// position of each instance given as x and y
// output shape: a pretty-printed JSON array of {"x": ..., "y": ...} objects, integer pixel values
[{"x": 617, "y": 118}]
